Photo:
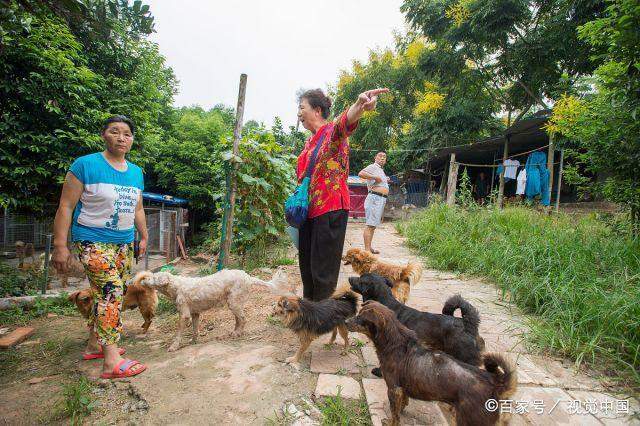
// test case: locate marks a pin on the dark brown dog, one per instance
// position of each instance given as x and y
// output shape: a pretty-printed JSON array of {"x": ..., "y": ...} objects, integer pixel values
[
  {"x": 412, "y": 371},
  {"x": 402, "y": 277},
  {"x": 137, "y": 296},
  {"x": 310, "y": 319},
  {"x": 456, "y": 336}
]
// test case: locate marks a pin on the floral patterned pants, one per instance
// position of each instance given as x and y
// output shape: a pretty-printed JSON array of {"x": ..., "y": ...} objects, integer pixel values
[{"x": 108, "y": 267}]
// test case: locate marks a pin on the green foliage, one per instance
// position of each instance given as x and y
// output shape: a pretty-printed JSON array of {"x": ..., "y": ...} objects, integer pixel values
[
  {"x": 336, "y": 410},
  {"x": 603, "y": 127},
  {"x": 22, "y": 315},
  {"x": 78, "y": 400},
  {"x": 166, "y": 306},
  {"x": 64, "y": 68},
  {"x": 435, "y": 101},
  {"x": 579, "y": 278},
  {"x": 265, "y": 177},
  {"x": 523, "y": 51},
  {"x": 13, "y": 282}
]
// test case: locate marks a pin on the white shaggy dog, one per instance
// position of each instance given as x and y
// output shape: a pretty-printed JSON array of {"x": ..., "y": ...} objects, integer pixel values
[{"x": 193, "y": 295}]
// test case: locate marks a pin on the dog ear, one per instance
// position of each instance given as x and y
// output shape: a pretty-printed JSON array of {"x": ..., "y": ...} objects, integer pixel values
[
  {"x": 388, "y": 282},
  {"x": 73, "y": 297}
]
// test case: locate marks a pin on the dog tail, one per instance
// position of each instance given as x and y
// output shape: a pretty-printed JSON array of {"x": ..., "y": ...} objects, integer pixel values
[
  {"x": 412, "y": 273},
  {"x": 140, "y": 276},
  {"x": 504, "y": 372},
  {"x": 344, "y": 292},
  {"x": 278, "y": 283},
  {"x": 470, "y": 315}
]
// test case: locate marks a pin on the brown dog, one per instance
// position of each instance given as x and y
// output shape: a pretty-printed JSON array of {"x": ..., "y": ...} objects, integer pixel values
[
  {"x": 24, "y": 250},
  {"x": 402, "y": 277},
  {"x": 75, "y": 269},
  {"x": 412, "y": 371},
  {"x": 137, "y": 296},
  {"x": 310, "y": 319}
]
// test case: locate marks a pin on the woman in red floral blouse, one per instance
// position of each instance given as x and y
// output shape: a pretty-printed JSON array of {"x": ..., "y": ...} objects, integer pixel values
[{"x": 322, "y": 235}]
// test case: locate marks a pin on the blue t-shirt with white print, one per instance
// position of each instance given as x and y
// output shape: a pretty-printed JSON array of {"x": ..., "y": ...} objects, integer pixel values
[{"x": 107, "y": 206}]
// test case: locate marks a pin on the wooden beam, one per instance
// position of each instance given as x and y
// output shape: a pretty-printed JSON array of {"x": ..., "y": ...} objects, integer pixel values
[
  {"x": 559, "y": 180},
  {"x": 505, "y": 154},
  {"x": 452, "y": 181},
  {"x": 550, "y": 165},
  {"x": 227, "y": 232}
]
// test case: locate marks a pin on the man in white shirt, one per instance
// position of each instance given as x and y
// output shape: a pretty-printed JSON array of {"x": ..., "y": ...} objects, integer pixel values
[{"x": 378, "y": 186}]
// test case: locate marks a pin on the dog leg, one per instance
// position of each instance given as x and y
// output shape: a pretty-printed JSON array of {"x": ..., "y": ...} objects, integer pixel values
[
  {"x": 147, "y": 321},
  {"x": 333, "y": 336},
  {"x": 195, "y": 323},
  {"x": 344, "y": 333},
  {"x": 305, "y": 341},
  {"x": 238, "y": 312},
  {"x": 396, "y": 398},
  {"x": 182, "y": 322}
]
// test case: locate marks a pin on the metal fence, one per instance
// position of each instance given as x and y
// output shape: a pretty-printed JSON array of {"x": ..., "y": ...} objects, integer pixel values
[{"x": 164, "y": 226}]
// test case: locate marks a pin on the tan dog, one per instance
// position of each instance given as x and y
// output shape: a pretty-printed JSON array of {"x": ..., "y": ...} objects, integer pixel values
[
  {"x": 75, "y": 269},
  {"x": 402, "y": 277},
  {"x": 24, "y": 250},
  {"x": 137, "y": 296}
]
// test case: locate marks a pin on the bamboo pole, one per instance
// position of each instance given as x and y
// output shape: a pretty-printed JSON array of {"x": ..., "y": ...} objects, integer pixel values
[
  {"x": 505, "y": 154},
  {"x": 559, "y": 180},
  {"x": 227, "y": 224},
  {"x": 452, "y": 181}
]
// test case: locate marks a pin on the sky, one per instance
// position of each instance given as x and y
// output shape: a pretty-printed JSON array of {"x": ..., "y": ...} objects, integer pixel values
[{"x": 282, "y": 46}]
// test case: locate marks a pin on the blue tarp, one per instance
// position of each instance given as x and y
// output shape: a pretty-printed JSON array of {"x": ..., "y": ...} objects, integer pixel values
[{"x": 166, "y": 199}]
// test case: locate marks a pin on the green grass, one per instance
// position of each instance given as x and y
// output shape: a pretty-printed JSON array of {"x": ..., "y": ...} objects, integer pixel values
[
  {"x": 22, "y": 315},
  {"x": 336, "y": 410},
  {"x": 77, "y": 402},
  {"x": 165, "y": 306},
  {"x": 578, "y": 277}
]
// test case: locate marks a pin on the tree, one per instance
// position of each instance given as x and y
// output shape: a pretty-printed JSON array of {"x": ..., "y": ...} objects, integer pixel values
[
  {"x": 64, "y": 67},
  {"x": 435, "y": 101},
  {"x": 602, "y": 126},
  {"x": 528, "y": 52}
]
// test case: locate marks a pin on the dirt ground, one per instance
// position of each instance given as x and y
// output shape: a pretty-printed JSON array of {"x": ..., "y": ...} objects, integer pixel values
[{"x": 244, "y": 381}]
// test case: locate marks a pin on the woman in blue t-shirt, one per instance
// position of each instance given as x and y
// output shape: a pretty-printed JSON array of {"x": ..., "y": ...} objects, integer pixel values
[{"x": 101, "y": 202}]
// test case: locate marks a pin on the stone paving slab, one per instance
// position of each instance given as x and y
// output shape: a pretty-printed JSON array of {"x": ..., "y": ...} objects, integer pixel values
[
  {"x": 332, "y": 361},
  {"x": 548, "y": 406},
  {"x": 369, "y": 356},
  {"x": 331, "y": 384},
  {"x": 417, "y": 412}
]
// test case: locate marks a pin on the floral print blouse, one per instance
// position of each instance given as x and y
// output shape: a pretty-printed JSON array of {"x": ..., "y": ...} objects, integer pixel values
[{"x": 328, "y": 190}]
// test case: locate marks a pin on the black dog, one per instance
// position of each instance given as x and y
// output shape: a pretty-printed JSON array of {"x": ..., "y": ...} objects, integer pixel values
[{"x": 457, "y": 337}]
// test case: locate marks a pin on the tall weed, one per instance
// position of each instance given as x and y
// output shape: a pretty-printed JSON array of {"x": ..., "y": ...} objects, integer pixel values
[{"x": 580, "y": 278}]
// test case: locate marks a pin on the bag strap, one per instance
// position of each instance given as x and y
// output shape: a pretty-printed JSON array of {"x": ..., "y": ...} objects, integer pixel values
[{"x": 314, "y": 157}]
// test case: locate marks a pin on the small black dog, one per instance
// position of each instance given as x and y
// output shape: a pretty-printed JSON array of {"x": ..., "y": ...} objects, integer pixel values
[
  {"x": 310, "y": 319},
  {"x": 457, "y": 337}
]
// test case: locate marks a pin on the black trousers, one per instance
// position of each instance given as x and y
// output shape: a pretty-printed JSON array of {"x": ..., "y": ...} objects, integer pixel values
[{"x": 320, "y": 253}]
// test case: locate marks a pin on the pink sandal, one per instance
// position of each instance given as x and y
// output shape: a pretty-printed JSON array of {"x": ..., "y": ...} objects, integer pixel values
[
  {"x": 124, "y": 369},
  {"x": 99, "y": 355}
]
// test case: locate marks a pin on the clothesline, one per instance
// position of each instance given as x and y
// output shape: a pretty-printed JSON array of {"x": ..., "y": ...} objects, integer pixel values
[{"x": 492, "y": 165}]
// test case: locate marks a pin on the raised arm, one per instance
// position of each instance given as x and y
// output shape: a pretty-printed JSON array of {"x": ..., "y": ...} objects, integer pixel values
[
  {"x": 366, "y": 102},
  {"x": 71, "y": 192},
  {"x": 348, "y": 121}
]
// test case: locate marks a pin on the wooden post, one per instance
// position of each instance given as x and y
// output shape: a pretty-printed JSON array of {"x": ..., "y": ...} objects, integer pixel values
[
  {"x": 505, "y": 154},
  {"x": 452, "y": 181},
  {"x": 227, "y": 224},
  {"x": 559, "y": 180},
  {"x": 550, "y": 165},
  {"x": 443, "y": 180}
]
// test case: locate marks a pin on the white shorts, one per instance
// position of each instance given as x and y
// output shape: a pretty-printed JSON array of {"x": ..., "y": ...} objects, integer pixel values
[{"x": 373, "y": 209}]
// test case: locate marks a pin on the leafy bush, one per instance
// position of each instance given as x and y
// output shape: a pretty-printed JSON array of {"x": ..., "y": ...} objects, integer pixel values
[
  {"x": 41, "y": 306},
  {"x": 580, "y": 279}
]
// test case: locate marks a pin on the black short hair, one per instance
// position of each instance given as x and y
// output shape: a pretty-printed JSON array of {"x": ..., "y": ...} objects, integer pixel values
[
  {"x": 317, "y": 99},
  {"x": 119, "y": 119}
]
